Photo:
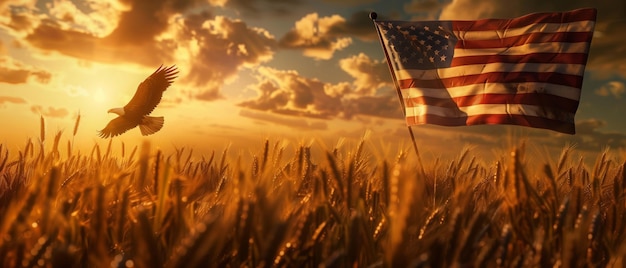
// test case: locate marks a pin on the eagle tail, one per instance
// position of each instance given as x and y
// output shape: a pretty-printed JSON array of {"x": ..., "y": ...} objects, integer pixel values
[{"x": 150, "y": 125}]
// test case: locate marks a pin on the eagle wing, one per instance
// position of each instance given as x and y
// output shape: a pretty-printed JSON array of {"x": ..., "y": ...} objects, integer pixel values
[
  {"x": 150, "y": 91},
  {"x": 116, "y": 127}
]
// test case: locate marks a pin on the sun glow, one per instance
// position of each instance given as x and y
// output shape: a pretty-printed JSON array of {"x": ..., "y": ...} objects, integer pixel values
[{"x": 100, "y": 96}]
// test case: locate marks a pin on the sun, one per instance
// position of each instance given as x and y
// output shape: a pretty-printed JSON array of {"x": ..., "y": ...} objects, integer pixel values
[{"x": 100, "y": 95}]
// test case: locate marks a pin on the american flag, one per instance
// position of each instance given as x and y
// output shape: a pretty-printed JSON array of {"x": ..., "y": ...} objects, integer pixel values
[{"x": 524, "y": 71}]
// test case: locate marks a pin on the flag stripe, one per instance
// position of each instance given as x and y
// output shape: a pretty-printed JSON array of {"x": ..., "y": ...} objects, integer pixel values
[
  {"x": 524, "y": 49},
  {"x": 508, "y": 109},
  {"x": 541, "y": 57},
  {"x": 488, "y": 68},
  {"x": 486, "y": 34},
  {"x": 494, "y": 77},
  {"x": 538, "y": 99},
  {"x": 494, "y": 88},
  {"x": 587, "y": 14},
  {"x": 541, "y": 37},
  {"x": 481, "y": 119}
]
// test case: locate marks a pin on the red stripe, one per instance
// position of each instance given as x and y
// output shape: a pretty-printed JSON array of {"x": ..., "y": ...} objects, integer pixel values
[
  {"x": 501, "y": 24},
  {"x": 494, "y": 119},
  {"x": 564, "y": 37},
  {"x": 495, "y": 77},
  {"x": 567, "y": 58},
  {"x": 550, "y": 102}
]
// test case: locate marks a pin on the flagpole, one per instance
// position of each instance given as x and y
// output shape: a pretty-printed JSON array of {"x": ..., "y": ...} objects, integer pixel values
[{"x": 373, "y": 17}]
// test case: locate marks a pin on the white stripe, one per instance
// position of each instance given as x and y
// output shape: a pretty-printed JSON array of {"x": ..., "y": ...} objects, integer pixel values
[
  {"x": 578, "y": 26},
  {"x": 552, "y": 47},
  {"x": 571, "y": 93},
  {"x": 480, "y": 109},
  {"x": 574, "y": 69}
]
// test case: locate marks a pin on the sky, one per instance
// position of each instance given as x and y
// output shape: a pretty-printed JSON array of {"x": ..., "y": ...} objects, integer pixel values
[{"x": 295, "y": 71}]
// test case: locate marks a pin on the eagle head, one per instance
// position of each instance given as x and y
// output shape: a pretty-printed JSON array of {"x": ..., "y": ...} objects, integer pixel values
[{"x": 118, "y": 111}]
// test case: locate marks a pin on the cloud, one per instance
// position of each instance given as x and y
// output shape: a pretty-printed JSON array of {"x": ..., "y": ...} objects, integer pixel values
[
  {"x": 589, "y": 137},
  {"x": 612, "y": 88},
  {"x": 9, "y": 99},
  {"x": 286, "y": 92},
  {"x": 49, "y": 111},
  {"x": 379, "y": 106},
  {"x": 425, "y": 9},
  {"x": 320, "y": 37},
  {"x": 289, "y": 93},
  {"x": 607, "y": 55},
  {"x": 259, "y": 7},
  {"x": 368, "y": 74},
  {"x": 313, "y": 34},
  {"x": 14, "y": 72},
  {"x": 217, "y": 49},
  {"x": 98, "y": 18},
  {"x": 211, "y": 49},
  {"x": 358, "y": 25},
  {"x": 294, "y": 122}
]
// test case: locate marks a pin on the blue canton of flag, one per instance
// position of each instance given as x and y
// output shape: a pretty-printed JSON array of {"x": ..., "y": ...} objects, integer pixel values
[{"x": 420, "y": 45}]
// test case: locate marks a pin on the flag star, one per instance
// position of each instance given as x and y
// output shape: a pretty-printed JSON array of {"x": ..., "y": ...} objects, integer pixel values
[
  {"x": 393, "y": 36},
  {"x": 447, "y": 36},
  {"x": 429, "y": 47},
  {"x": 436, "y": 31},
  {"x": 443, "y": 58},
  {"x": 437, "y": 52},
  {"x": 440, "y": 27},
  {"x": 445, "y": 47},
  {"x": 422, "y": 42},
  {"x": 426, "y": 28},
  {"x": 404, "y": 60},
  {"x": 420, "y": 60},
  {"x": 431, "y": 59},
  {"x": 412, "y": 27},
  {"x": 422, "y": 32},
  {"x": 437, "y": 41},
  {"x": 430, "y": 37}
]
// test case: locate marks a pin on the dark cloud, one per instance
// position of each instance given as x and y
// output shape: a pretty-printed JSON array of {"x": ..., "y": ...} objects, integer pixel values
[
  {"x": 424, "y": 6},
  {"x": 152, "y": 33},
  {"x": 49, "y": 111},
  {"x": 286, "y": 92},
  {"x": 589, "y": 136},
  {"x": 147, "y": 19},
  {"x": 358, "y": 25},
  {"x": 9, "y": 99},
  {"x": 319, "y": 37},
  {"x": 13, "y": 72},
  {"x": 259, "y": 7},
  {"x": 221, "y": 48},
  {"x": 314, "y": 36}
]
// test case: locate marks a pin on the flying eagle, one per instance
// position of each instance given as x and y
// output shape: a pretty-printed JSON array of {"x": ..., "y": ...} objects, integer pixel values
[{"x": 146, "y": 98}]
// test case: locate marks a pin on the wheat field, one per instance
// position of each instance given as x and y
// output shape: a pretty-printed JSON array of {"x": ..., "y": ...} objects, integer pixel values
[{"x": 315, "y": 206}]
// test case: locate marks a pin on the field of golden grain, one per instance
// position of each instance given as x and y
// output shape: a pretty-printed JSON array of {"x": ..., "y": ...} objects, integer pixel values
[{"x": 347, "y": 206}]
